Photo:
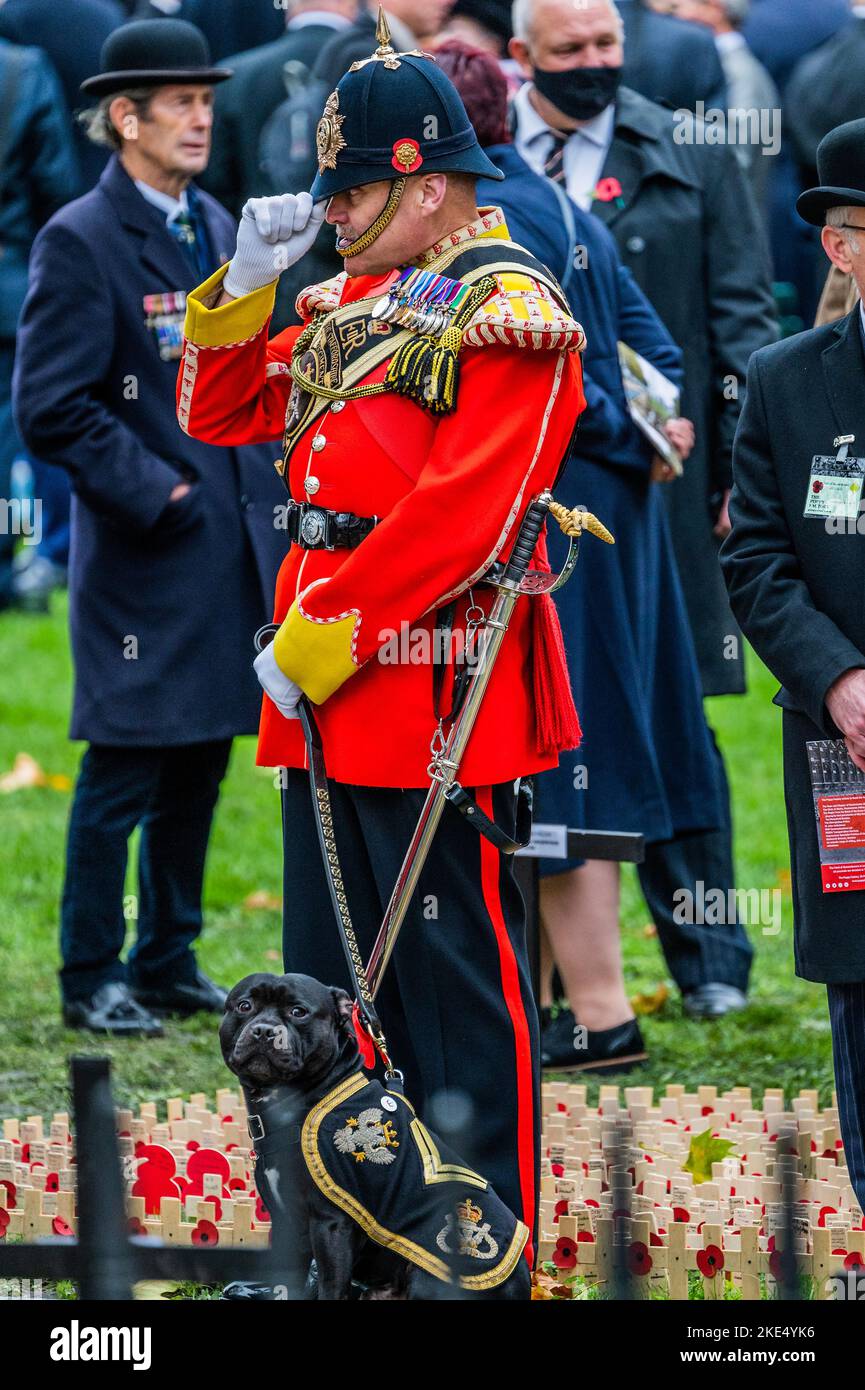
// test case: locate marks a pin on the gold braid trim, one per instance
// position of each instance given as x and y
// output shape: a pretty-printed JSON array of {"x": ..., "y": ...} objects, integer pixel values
[
  {"x": 426, "y": 369},
  {"x": 386, "y": 216}
]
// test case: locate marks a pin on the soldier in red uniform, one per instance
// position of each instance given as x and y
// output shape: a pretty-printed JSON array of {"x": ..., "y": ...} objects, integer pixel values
[{"x": 428, "y": 397}]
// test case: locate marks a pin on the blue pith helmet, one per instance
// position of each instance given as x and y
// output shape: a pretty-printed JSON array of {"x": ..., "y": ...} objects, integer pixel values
[{"x": 393, "y": 115}]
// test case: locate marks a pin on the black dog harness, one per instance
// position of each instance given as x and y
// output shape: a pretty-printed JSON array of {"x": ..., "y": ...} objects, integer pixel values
[{"x": 369, "y": 1154}]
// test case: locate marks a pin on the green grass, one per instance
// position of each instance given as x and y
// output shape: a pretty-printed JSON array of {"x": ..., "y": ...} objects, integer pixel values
[{"x": 782, "y": 1039}]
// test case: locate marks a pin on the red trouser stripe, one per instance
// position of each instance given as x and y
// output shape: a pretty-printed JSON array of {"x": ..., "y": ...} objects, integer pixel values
[{"x": 516, "y": 1010}]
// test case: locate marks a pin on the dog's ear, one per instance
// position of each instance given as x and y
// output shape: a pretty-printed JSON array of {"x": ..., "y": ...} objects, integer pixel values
[{"x": 342, "y": 1007}]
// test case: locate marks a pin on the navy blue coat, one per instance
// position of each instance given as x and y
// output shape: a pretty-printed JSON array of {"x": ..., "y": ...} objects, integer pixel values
[
  {"x": 163, "y": 603},
  {"x": 38, "y": 168},
  {"x": 72, "y": 36},
  {"x": 633, "y": 668}
]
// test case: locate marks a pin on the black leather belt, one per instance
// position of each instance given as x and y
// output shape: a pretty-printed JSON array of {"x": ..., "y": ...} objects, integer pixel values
[{"x": 317, "y": 528}]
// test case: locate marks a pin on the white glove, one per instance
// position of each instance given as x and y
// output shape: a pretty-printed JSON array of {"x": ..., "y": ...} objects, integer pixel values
[
  {"x": 284, "y": 693},
  {"x": 273, "y": 234}
]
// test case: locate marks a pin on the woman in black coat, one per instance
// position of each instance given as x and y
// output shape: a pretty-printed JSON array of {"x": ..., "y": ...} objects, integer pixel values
[{"x": 645, "y": 763}]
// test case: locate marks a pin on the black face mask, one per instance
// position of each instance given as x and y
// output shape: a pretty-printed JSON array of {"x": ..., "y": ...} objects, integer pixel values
[{"x": 580, "y": 93}]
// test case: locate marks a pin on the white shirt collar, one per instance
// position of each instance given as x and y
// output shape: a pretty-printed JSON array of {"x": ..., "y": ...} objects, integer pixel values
[
  {"x": 172, "y": 207},
  {"x": 858, "y": 11},
  {"x": 728, "y": 43},
  {"x": 326, "y": 17},
  {"x": 598, "y": 131},
  {"x": 861, "y": 304}
]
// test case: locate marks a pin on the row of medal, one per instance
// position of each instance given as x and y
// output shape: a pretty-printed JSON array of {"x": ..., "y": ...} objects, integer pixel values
[{"x": 422, "y": 300}]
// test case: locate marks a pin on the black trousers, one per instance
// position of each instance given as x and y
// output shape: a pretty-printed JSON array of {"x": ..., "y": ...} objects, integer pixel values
[
  {"x": 698, "y": 954},
  {"x": 171, "y": 793},
  {"x": 847, "y": 1015},
  {"x": 456, "y": 1001}
]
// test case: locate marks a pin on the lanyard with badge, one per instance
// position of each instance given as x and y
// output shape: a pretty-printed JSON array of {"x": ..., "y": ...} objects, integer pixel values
[{"x": 835, "y": 484}]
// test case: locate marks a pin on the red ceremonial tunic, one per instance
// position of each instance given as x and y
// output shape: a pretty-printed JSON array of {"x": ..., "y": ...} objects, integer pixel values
[{"x": 451, "y": 491}]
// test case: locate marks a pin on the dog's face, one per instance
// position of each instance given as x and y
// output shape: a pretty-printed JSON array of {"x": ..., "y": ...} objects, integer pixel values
[{"x": 283, "y": 1029}]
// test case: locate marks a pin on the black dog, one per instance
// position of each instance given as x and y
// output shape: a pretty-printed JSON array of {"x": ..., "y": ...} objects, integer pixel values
[{"x": 351, "y": 1177}]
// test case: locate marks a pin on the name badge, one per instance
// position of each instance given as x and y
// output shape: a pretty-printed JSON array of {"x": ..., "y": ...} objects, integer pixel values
[{"x": 835, "y": 486}]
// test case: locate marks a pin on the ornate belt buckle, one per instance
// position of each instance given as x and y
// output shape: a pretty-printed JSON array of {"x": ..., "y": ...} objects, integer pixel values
[{"x": 313, "y": 528}]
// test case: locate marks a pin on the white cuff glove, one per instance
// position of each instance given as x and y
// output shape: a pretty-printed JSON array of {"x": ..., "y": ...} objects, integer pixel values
[
  {"x": 282, "y": 691},
  {"x": 273, "y": 234}
]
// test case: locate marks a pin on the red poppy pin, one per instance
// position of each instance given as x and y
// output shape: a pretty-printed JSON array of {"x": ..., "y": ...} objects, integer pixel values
[
  {"x": 607, "y": 190},
  {"x": 565, "y": 1253},
  {"x": 639, "y": 1259},
  {"x": 205, "y": 1233},
  {"x": 407, "y": 157},
  {"x": 710, "y": 1261}
]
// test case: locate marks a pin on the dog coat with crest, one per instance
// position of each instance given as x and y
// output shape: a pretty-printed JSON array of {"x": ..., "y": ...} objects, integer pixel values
[{"x": 370, "y": 1155}]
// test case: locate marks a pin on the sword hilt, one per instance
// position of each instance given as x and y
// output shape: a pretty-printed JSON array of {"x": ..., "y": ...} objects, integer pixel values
[{"x": 524, "y": 546}]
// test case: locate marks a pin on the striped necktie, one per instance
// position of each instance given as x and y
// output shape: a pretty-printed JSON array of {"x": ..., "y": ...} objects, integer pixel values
[{"x": 554, "y": 164}]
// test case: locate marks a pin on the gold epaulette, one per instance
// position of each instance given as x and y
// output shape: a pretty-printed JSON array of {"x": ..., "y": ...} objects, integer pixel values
[
  {"x": 522, "y": 312},
  {"x": 321, "y": 298}
]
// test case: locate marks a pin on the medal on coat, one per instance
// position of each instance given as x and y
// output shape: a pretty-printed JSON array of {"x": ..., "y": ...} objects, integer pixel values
[
  {"x": 835, "y": 484},
  {"x": 423, "y": 301},
  {"x": 164, "y": 316}
]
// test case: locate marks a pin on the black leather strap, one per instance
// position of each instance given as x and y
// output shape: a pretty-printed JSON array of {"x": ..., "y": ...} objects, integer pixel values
[
  {"x": 318, "y": 528},
  {"x": 465, "y": 803}
]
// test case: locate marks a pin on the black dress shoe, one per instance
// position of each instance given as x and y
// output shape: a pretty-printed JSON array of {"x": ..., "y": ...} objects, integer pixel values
[
  {"x": 713, "y": 1000},
  {"x": 565, "y": 1046},
  {"x": 202, "y": 996},
  {"x": 112, "y": 1009}
]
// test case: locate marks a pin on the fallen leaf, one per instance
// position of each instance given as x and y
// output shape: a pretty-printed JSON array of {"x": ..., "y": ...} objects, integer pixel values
[
  {"x": 703, "y": 1151},
  {"x": 271, "y": 955},
  {"x": 261, "y": 900},
  {"x": 650, "y": 1003},
  {"x": 26, "y": 772},
  {"x": 650, "y": 930},
  {"x": 785, "y": 881},
  {"x": 151, "y": 1290}
]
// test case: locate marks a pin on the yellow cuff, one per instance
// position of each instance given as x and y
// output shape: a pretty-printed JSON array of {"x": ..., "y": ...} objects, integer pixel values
[
  {"x": 230, "y": 323},
  {"x": 316, "y": 655}
]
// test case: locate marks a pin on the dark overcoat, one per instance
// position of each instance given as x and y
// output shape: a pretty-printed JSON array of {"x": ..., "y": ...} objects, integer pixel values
[
  {"x": 797, "y": 586},
  {"x": 669, "y": 60},
  {"x": 645, "y": 764},
  {"x": 687, "y": 227},
  {"x": 164, "y": 604}
]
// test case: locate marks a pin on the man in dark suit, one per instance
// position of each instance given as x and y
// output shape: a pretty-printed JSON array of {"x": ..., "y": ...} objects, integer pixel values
[
  {"x": 258, "y": 86},
  {"x": 687, "y": 227},
  {"x": 796, "y": 574},
  {"x": 669, "y": 60},
  {"x": 174, "y": 543}
]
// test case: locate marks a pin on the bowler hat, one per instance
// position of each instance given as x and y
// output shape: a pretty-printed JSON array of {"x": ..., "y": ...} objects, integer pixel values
[
  {"x": 153, "y": 53},
  {"x": 841, "y": 171}
]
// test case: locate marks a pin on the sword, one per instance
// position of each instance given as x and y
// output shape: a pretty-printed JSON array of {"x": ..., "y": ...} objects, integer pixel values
[{"x": 512, "y": 580}]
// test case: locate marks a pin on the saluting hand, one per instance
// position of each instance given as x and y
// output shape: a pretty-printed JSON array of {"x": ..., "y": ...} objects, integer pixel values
[
  {"x": 273, "y": 234},
  {"x": 845, "y": 702}
]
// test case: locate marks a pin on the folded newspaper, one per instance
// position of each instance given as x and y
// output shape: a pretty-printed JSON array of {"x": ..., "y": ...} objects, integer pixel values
[{"x": 652, "y": 400}]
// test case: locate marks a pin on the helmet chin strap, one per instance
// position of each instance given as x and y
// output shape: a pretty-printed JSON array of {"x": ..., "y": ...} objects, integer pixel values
[{"x": 384, "y": 218}]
